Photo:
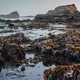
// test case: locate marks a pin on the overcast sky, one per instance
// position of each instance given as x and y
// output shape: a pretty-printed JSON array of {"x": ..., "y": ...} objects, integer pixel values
[{"x": 33, "y": 7}]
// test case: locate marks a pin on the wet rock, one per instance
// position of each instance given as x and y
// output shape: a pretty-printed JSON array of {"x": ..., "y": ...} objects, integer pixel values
[
  {"x": 12, "y": 53},
  {"x": 38, "y": 25},
  {"x": 18, "y": 38},
  {"x": 63, "y": 73},
  {"x": 13, "y": 48},
  {"x": 31, "y": 64},
  {"x": 23, "y": 67},
  {"x": 1, "y": 61},
  {"x": 62, "y": 49},
  {"x": 60, "y": 57}
]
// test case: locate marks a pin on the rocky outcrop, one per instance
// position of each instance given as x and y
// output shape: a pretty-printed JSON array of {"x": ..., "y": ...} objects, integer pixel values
[
  {"x": 62, "y": 49},
  {"x": 11, "y": 54},
  {"x": 63, "y": 73},
  {"x": 61, "y": 13},
  {"x": 63, "y": 10},
  {"x": 11, "y": 49},
  {"x": 14, "y": 14}
]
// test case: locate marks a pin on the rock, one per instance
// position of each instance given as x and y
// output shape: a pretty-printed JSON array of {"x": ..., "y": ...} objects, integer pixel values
[
  {"x": 74, "y": 25},
  {"x": 18, "y": 38},
  {"x": 62, "y": 49},
  {"x": 11, "y": 25},
  {"x": 1, "y": 61},
  {"x": 38, "y": 25},
  {"x": 63, "y": 73},
  {"x": 23, "y": 67},
  {"x": 12, "y": 53},
  {"x": 13, "y": 49},
  {"x": 63, "y": 10},
  {"x": 14, "y": 14},
  {"x": 65, "y": 13}
]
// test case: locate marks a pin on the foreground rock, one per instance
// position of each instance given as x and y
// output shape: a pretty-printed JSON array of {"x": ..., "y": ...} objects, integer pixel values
[
  {"x": 63, "y": 73},
  {"x": 74, "y": 25},
  {"x": 11, "y": 50},
  {"x": 62, "y": 49},
  {"x": 18, "y": 38},
  {"x": 12, "y": 54}
]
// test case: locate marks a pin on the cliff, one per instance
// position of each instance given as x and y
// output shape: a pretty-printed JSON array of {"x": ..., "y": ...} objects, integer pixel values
[
  {"x": 61, "y": 12},
  {"x": 14, "y": 14}
]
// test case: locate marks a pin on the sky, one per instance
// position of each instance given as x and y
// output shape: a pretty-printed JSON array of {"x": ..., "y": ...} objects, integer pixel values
[{"x": 33, "y": 7}]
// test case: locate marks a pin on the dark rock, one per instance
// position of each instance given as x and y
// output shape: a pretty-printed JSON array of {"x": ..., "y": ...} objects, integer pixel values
[
  {"x": 11, "y": 25},
  {"x": 23, "y": 68},
  {"x": 12, "y": 53},
  {"x": 12, "y": 50},
  {"x": 1, "y": 61},
  {"x": 63, "y": 73}
]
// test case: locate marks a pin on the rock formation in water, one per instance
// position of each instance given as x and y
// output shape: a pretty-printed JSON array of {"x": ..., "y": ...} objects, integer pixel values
[
  {"x": 63, "y": 10},
  {"x": 61, "y": 13},
  {"x": 14, "y": 14}
]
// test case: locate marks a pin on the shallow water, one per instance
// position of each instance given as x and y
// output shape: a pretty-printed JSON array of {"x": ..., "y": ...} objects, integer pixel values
[
  {"x": 20, "y": 18},
  {"x": 31, "y": 73}
]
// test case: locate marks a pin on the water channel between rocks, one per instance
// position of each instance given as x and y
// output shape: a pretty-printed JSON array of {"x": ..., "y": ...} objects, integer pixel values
[{"x": 31, "y": 73}]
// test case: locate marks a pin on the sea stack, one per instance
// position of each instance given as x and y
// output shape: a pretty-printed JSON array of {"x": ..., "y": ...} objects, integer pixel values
[{"x": 14, "y": 14}]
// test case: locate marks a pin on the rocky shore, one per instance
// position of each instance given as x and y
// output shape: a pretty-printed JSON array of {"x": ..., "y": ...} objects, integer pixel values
[
  {"x": 61, "y": 49},
  {"x": 50, "y": 44},
  {"x": 63, "y": 73},
  {"x": 11, "y": 51}
]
